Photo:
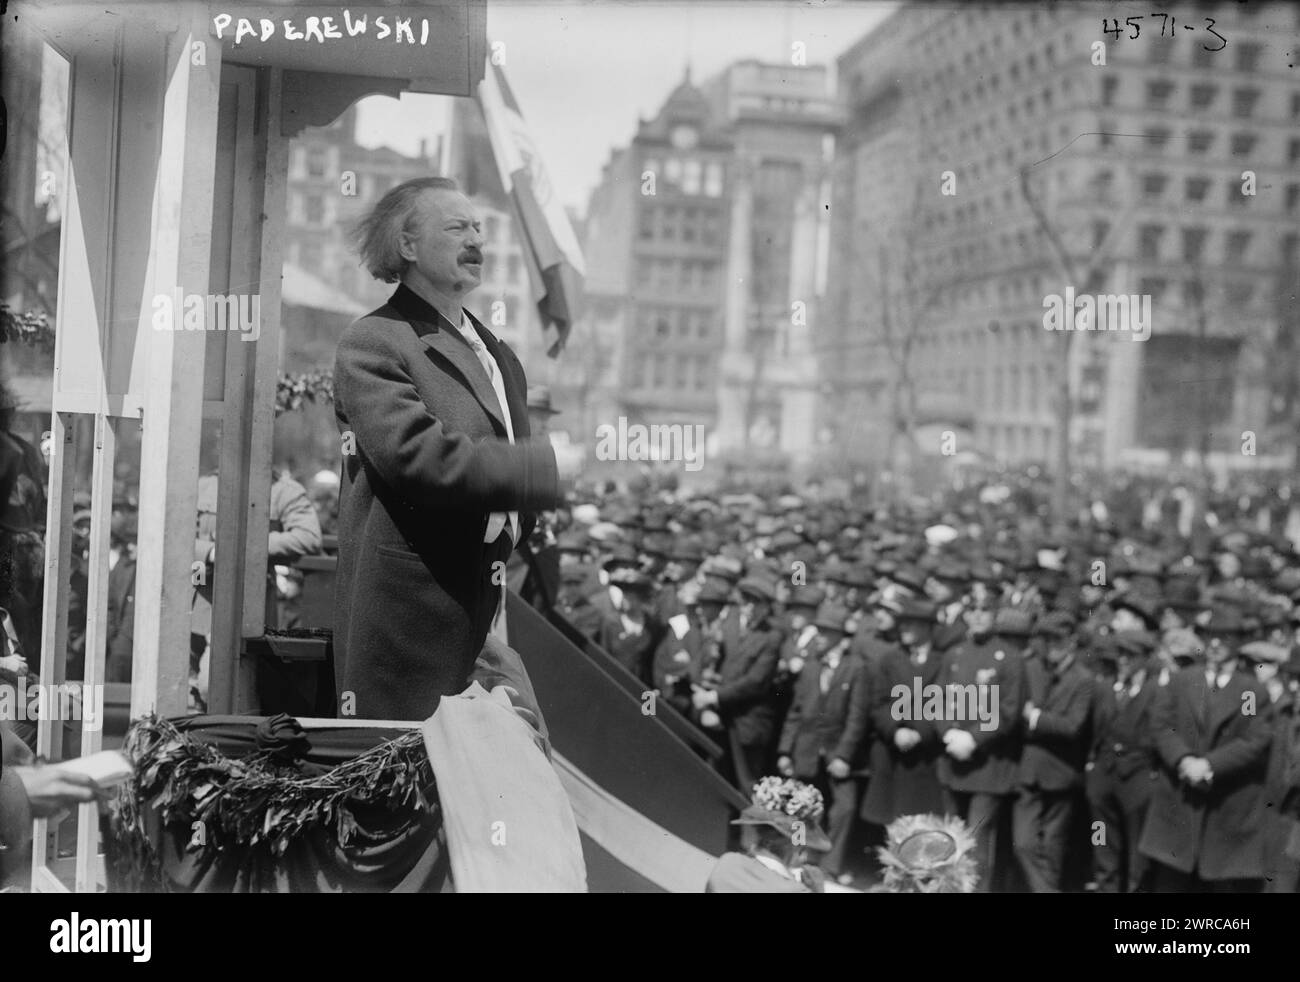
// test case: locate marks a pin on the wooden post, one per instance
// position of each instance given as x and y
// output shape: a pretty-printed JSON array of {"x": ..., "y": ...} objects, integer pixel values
[{"x": 179, "y": 246}]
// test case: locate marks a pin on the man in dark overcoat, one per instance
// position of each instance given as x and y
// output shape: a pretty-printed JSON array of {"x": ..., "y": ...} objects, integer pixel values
[{"x": 440, "y": 479}]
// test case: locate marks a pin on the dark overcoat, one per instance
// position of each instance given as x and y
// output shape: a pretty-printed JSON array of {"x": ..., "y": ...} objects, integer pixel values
[
  {"x": 831, "y": 724},
  {"x": 1218, "y": 832},
  {"x": 902, "y": 783},
  {"x": 426, "y": 459}
]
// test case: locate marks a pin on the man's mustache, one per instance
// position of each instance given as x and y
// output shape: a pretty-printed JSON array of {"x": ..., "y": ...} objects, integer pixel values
[{"x": 472, "y": 257}]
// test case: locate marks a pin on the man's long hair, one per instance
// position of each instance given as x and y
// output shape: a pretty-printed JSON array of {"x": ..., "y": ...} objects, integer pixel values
[{"x": 377, "y": 238}]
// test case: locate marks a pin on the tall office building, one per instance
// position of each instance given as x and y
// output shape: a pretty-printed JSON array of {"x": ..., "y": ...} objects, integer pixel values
[
  {"x": 1169, "y": 171},
  {"x": 705, "y": 253},
  {"x": 655, "y": 244}
]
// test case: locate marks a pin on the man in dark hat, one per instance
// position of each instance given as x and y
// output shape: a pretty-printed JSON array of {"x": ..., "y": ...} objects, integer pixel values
[
  {"x": 573, "y": 601},
  {"x": 826, "y": 730},
  {"x": 904, "y": 753},
  {"x": 679, "y": 660},
  {"x": 607, "y": 599},
  {"x": 1205, "y": 828},
  {"x": 632, "y": 634},
  {"x": 742, "y": 695},
  {"x": 1056, "y": 714},
  {"x": 981, "y": 755},
  {"x": 1120, "y": 782},
  {"x": 1267, "y": 661},
  {"x": 796, "y": 647}
]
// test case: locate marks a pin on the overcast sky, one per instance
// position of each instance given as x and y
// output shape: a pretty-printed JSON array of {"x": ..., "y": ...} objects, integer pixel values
[{"x": 583, "y": 71}]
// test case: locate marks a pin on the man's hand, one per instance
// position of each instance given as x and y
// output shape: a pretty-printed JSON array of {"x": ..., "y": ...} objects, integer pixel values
[
  {"x": 959, "y": 744},
  {"x": 785, "y": 766},
  {"x": 838, "y": 768},
  {"x": 14, "y": 663},
  {"x": 710, "y": 720},
  {"x": 51, "y": 790},
  {"x": 905, "y": 739},
  {"x": 702, "y": 698}
]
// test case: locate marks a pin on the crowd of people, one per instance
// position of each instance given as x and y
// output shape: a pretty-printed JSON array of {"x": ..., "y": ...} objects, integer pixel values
[{"x": 1110, "y": 705}]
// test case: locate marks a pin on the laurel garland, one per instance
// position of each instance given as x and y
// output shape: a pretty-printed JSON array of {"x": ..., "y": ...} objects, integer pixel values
[
  {"x": 30, "y": 327},
  {"x": 263, "y": 801},
  {"x": 294, "y": 391}
]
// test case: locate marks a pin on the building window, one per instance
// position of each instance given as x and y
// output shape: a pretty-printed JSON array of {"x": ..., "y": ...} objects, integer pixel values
[
  {"x": 1196, "y": 188},
  {"x": 1153, "y": 185},
  {"x": 1295, "y": 105},
  {"x": 317, "y": 161},
  {"x": 646, "y": 226},
  {"x": 1202, "y": 58},
  {"x": 1109, "y": 90},
  {"x": 674, "y": 171},
  {"x": 512, "y": 269},
  {"x": 1153, "y": 287},
  {"x": 315, "y": 209},
  {"x": 1199, "y": 141},
  {"x": 1292, "y": 196},
  {"x": 1235, "y": 197},
  {"x": 1156, "y": 138},
  {"x": 1158, "y": 93},
  {"x": 702, "y": 374},
  {"x": 1244, "y": 101},
  {"x": 1248, "y": 56},
  {"x": 1149, "y": 240},
  {"x": 1202, "y": 96},
  {"x": 1193, "y": 244},
  {"x": 1236, "y": 246},
  {"x": 713, "y": 180},
  {"x": 1239, "y": 292},
  {"x": 1293, "y": 152},
  {"x": 691, "y": 180},
  {"x": 1243, "y": 143}
]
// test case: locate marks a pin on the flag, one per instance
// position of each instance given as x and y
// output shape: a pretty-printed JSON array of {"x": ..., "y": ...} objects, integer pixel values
[{"x": 551, "y": 251}]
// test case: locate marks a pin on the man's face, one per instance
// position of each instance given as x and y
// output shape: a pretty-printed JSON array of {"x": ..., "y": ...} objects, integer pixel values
[
  {"x": 798, "y": 618},
  {"x": 1057, "y": 651},
  {"x": 445, "y": 243},
  {"x": 1228, "y": 565},
  {"x": 979, "y": 620}
]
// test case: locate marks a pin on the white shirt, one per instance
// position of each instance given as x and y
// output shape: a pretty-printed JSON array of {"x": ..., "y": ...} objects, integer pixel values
[{"x": 496, "y": 520}]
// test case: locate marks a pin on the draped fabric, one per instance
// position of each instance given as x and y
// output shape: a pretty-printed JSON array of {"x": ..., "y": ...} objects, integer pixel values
[{"x": 389, "y": 849}]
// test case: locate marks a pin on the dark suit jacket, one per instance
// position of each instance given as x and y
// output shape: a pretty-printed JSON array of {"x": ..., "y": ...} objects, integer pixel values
[
  {"x": 1218, "y": 832},
  {"x": 431, "y": 462},
  {"x": 679, "y": 660},
  {"x": 745, "y": 694},
  {"x": 994, "y": 766},
  {"x": 1056, "y": 749},
  {"x": 829, "y": 725}
]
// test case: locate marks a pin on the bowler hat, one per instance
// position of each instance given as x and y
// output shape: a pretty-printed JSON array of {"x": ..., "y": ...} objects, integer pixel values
[
  {"x": 833, "y": 617},
  {"x": 757, "y": 585}
]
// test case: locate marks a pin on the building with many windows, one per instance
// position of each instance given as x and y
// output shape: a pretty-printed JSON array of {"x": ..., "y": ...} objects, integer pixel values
[
  {"x": 1169, "y": 172},
  {"x": 655, "y": 245},
  {"x": 702, "y": 246}
]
